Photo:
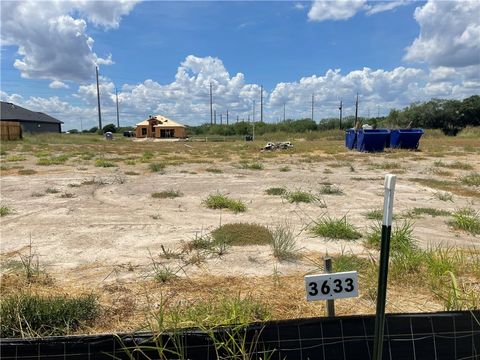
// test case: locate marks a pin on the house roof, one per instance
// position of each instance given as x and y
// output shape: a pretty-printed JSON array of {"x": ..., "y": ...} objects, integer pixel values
[
  {"x": 163, "y": 122},
  {"x": 9, "y": 112}
]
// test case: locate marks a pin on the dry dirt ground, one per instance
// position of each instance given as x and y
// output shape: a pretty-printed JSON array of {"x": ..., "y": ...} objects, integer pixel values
[{"x": 103, "y": 232}]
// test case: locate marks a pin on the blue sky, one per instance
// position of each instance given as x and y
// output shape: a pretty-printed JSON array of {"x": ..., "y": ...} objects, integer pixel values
[{"x": 162, "y": 55}]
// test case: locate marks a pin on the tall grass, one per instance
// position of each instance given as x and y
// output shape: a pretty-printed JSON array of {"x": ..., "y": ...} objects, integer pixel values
[
  {"x": 30, "y": 315},
  {"x": 401, "y": 236},
  {"x": 466, "y": 219},
  {"x": 284, "y": 244}
]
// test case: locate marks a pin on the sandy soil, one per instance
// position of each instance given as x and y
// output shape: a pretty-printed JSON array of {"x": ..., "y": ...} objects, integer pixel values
[{"x": 114, "y": 224}]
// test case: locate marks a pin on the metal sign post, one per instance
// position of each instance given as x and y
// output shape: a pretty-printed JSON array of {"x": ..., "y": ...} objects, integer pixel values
[
  {"x": 383, "y": 271},
  {"x": 330, "y": 303}
]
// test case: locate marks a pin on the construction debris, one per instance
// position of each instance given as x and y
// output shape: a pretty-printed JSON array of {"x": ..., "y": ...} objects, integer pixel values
[{"x": 277, "y": 146}]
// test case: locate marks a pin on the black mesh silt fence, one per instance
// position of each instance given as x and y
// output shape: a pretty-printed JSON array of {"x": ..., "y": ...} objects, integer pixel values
[{"x": 436, "y": 336}]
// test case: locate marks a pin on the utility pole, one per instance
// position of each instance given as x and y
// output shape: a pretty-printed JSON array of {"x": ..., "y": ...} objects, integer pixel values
[
  {"x": 340, "y": 108},
  {"x": 313, "y": 99},
  {"x": 283, "y": 112},
  {"x": 356, "y": 111},
  {"x": 227, "y": 116},
  {"x": 211, "y": 105},
  {"x": 237, "y": 119},
  {"x": 215, "y": 117},
  {"x": 253, "y": 115},
  {"x": 118, "y": 116},
  {"x": 98, "y": 100},
  {"x": 378, "y": 111},
  {"x": 261, "y": 103},
  {"x": 248, "y": 118},
  {"x": 221, "y": 119}
]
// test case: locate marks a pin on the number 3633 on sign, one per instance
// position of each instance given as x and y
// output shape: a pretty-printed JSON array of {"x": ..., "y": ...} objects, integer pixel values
[{"x": 331, "y": 286}]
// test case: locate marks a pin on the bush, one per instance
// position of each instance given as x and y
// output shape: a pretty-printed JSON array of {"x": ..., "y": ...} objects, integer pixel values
[
  {"x": 32, "y": 315},
  {"x": 219, "y": 201}
]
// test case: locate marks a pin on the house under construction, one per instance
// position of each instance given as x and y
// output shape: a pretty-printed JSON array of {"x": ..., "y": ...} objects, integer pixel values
[{"x": 160, "y": 127}]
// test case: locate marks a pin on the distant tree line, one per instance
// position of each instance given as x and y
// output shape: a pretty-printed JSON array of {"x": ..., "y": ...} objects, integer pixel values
[{"x": 448, "y": 115}]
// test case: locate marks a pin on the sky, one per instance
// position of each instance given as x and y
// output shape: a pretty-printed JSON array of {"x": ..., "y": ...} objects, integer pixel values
[{"x": 160, "y": 57}]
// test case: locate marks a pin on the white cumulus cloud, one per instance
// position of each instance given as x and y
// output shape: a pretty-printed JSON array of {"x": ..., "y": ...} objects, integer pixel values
[
  {"x": 335, "y": 10},
  {"x": 449, "y": 34},
  {"x": 58, "y": 85},
  {"x": 52, "y": 41}
]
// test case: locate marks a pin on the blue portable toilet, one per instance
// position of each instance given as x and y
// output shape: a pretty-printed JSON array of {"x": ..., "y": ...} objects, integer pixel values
[
  {"x": 350, "y": 138},
  {"x": 373, "y": 140},
  {"x": 405, "y": 138}
]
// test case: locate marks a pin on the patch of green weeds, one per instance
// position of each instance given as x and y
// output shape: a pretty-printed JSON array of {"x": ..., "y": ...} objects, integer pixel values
[
  {"x": 251, "y": 165},
  {"x": 284, "y": 169},
  {"x": 157, "y": 167},
  {"x": 277, "y": 191},
  {"x": 5, "y": 210},
  {"x": 220, "y": 201},
  {"x": 131, "y": 173},
  {"x": 26, "y": 172},
  {"x": 472, "y": 179},
  {"x": 167, "y": 194},
  {"x": 16, "y": 158},
  {"x": 330, "y": 190},
  {"x": 214, "y": 170},
  {"x": 30, "y": 315},
  {"x": 241, "y": 234},
  {"x": 401, "y": 236},
  {"x": 335, "y": 228},
  {"x": 101, "y": 162},
  {"x": 466, "y": 219},
  {"x": 51, "y": 191},
  {"x": 54, "y": 160},
  {"x": 299, "y": 196},
  {"x": 419, "y": 212}
]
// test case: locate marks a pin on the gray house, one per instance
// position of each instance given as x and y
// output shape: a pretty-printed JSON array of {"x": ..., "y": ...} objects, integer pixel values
[{"x": 30, "y": 121}]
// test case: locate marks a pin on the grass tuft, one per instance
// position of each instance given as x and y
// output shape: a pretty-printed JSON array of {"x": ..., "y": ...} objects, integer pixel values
[
  {"x": 157, "y": 167},
  {"x": 472, "y": 179},
  {"x": 332, "y": 228},
  {"x": 331, "y": 190},
  {"x": 26, "y": 172},
  {"x": 214, "y": 170},
  {"x": 284, "y": 169},
  {"x": 418, "y": 212},
  {"x": 277, "y": 191},
  {"x": 466, "y": 219},
  {"x": 220, "y": 201},
  {"x": 5, "y": 210},
  {"x": 401, "y": 237},
  {"x": 284, "y": 244},
  {"x": 300, "y": 197}
]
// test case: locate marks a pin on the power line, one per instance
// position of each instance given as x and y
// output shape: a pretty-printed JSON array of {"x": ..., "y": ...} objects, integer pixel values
[{"x": 98, "y": 100}]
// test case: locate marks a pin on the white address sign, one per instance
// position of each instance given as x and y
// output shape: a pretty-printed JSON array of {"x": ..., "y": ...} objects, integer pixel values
[{"x": 331, "y": 286}]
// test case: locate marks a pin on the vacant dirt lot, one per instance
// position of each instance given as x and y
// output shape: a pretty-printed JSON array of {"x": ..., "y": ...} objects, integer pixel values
[{"x": 94, "y": 227}]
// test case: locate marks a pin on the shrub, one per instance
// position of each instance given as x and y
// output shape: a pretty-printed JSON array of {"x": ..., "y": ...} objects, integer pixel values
[
  {"x": 275, "y": 191},
  {"x": 219, "y": 201},
  {"x": 336, "y": 229},
  {"x": 33, "y": 315},
  {"x": 238, "y": 234}
]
